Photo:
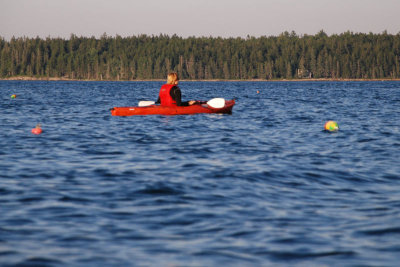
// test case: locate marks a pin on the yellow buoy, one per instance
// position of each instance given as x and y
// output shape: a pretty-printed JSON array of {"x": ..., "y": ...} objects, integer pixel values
[{"x": 331, "y": 126}]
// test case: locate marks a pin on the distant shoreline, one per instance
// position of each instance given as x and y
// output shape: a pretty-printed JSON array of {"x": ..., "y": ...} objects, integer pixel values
[{"x": 27, "y": 78}]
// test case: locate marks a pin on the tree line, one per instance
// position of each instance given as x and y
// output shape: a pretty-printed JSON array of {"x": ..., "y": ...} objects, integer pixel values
[{"x": 287, "y": 56}]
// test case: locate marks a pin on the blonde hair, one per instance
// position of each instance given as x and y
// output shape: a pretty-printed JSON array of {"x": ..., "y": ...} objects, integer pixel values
[{"x": 172, "y": 78}]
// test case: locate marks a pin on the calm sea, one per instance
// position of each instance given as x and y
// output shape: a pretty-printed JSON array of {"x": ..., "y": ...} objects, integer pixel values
[{"x": 265, "y": 186}]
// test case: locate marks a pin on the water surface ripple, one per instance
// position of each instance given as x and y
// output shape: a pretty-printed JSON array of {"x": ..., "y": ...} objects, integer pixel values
[{"x": 265, "y": 186}]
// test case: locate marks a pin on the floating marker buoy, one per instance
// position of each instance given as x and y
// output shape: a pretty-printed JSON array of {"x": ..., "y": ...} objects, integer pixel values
[
  {"x": 37, "y": 129},
  {"x": 13, "y": 96},
  {"x": 258, "y": 92},
  {"x": 331, "y": 126}
]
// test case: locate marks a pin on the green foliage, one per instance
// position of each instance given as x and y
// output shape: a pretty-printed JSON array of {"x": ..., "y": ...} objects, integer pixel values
[{"x": 287, "y": 56}]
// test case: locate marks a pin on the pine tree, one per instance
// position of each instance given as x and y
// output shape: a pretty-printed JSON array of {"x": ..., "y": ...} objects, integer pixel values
[{"x": 346, "y": 55}]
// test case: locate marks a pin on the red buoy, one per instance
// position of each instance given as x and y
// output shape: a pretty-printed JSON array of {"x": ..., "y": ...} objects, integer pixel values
[{"x": 37, "y": 130}]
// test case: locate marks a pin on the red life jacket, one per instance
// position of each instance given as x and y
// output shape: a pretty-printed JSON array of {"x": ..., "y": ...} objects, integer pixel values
[{"x": 165, "y": 97}]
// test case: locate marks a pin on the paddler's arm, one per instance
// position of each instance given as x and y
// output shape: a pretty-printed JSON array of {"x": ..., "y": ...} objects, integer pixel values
[{"x": 177, "y": 96}]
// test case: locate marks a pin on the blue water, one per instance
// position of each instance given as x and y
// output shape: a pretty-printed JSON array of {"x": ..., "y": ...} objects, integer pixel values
[{"x": 265, "y": 186}]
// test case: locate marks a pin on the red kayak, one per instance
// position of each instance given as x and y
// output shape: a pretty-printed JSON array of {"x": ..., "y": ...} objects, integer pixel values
[{"x": 163, "y": 110}]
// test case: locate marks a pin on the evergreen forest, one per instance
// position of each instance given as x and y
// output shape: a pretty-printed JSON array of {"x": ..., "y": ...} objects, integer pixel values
[{"x": 143, "y": 57}]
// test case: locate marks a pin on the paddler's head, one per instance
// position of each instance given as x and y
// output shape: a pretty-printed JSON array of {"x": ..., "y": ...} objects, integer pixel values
[{"x": 172, "y": 78}]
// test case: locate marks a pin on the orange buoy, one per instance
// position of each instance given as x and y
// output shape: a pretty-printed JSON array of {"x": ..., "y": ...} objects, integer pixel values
[{"x": 37, "y": 129}]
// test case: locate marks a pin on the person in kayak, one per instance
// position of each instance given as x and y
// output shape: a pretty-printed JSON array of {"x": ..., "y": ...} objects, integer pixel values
[{"x": 170, "y": 94}]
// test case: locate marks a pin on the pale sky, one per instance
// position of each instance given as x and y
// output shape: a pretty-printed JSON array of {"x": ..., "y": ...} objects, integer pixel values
[{"x": 225, "y": 18}]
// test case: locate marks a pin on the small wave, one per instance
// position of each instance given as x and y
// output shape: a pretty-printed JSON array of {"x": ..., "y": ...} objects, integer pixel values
[
  {"x": 78, "y": 239},
  {"x": 160, "y": 189},
  {"x": 39, "y": 261},
  {"x": 227, "y": 256},
  {"x": 366, "y": 140},
  {"x": 383, "y": 231},
  {"x": 7, "y": 252},
  {"x": 30, "y": 199},
  {"x": 282, "y": 255},
  {"x": 73, "y": 199}
]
